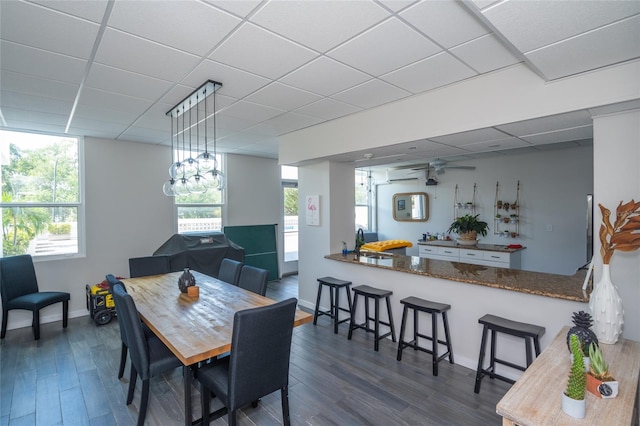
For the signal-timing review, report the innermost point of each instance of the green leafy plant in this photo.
(59, 228)
(576, 385)
(469, 223)
(599, 368)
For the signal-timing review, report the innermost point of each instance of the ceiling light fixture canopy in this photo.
(198, 172)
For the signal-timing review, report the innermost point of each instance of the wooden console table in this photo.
(535, 399)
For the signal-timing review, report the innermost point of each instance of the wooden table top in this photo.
(195, 329)
(535, 399)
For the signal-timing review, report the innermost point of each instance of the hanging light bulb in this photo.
(216, 179)
(182, 186)
(197, 184)
(169, 188)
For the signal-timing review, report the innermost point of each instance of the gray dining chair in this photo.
(149, 356)
(230, 271)
(254, 279)
(19, 290)
(258, 363)
(148, 265)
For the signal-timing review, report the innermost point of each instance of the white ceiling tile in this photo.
(446, 22)
(92, 10)
(327, 109)
(156, 118)
(35, 103)
(235, 83)
(34, 120)
(131, 53)
(325, 76)
(474, 136)
(126, 82)
(192, 27)
(107, 125)
(227, 123)
(320, 25)
(611, 109)
(278, 95)
(531, 24)
(397, 5)
(483, 4)
(110, 100)
(261, 52)
(47, 29)
(574, 134)
(433, 72)
(40, 63)
(251, 111)
(139, 134)
(372, 93)
(547, 124)
(20, 83)
(386, 47)
(589, 51)
(496, 145)
(285, 123)
(238, 8)
(485, 54)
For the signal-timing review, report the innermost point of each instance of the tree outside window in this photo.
(40, 194)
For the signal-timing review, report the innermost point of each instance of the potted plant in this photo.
(573, 402)
(468, 227)
(582, 322)
(599, 382)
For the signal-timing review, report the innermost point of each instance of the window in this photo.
(200, 212)
(289, 176)
(363, 199)
(41, 208)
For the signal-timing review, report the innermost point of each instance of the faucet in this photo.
(359, 241)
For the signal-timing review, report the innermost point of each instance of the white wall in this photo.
(553, 189)
(617, 178)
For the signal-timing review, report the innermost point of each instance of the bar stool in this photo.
(376, 294)
(334, 285)
(495, 324)
(433, 308)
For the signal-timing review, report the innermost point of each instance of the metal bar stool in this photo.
(334, 285)
(495, 324)
(433, 308)
(376, 294)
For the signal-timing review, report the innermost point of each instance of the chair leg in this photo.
(132, 384)
(123, 360)
(36, 324)
(315, 313)
(144, 402)
(65, 313)
(5, 315)
(483, 342)
(401, 338)
(232, 418)
(284, 394)
(204, 403)
(352, 323)
(393, 330)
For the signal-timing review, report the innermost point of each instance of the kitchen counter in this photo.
(538, 283)
(479, 246)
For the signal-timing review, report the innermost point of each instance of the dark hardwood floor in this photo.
(69, 378)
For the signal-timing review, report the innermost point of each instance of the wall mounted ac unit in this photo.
(402, 175)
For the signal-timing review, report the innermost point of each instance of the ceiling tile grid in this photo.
(287, 65)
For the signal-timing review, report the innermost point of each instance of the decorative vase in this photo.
(186, 280)
(574, 407)
(602, 388)
(606, 308)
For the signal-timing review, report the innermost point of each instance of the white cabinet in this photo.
(474, 256)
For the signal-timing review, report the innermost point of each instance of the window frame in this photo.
(223, 200)
(79, 205)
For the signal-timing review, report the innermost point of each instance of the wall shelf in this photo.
(462, 207)
(506, 214)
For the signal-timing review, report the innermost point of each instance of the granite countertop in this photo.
(487, 247)
(567, 287)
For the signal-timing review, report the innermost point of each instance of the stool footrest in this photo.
(509, 364)
(493, 375)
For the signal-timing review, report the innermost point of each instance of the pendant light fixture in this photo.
(199, 172)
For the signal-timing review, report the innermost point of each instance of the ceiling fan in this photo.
(440, 165)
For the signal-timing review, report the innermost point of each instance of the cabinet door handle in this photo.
(471, 254)
(495, 257)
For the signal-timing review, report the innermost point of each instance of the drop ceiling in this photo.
(111, 69)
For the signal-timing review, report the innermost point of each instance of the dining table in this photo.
(195, 328)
